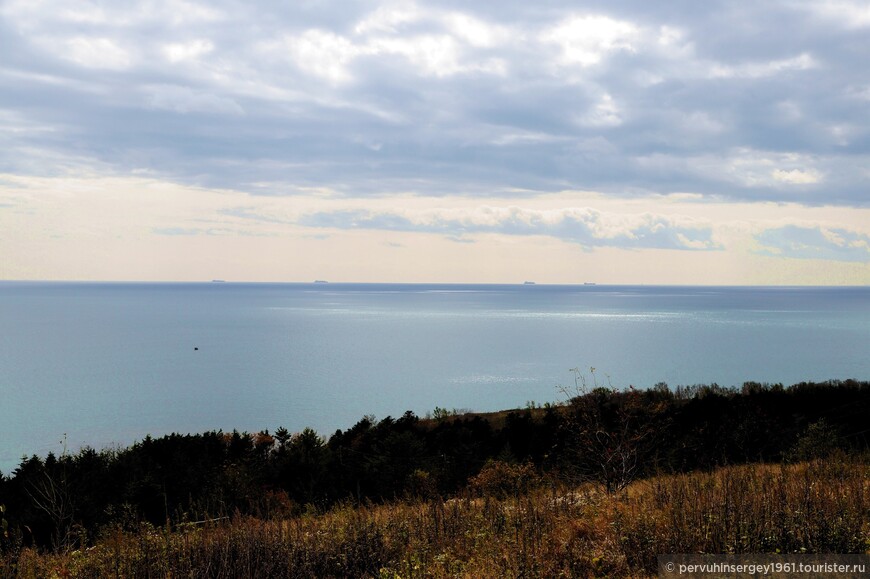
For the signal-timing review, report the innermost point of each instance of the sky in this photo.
(682, 142)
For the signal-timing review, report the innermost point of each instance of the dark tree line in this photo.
(599, 434)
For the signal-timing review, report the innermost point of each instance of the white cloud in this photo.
(604, 113)
(333, 57)
(583, 225)
(847, 13)
(182, 51)
(477, 32)
(47, 14)
(97, 53)
(433, 55)
(744, 167)
(764, 69)
(446, 48)
(322, 53)
(180, 12)
(389, 18)
(389, 21)
(797, 176)
(585, 40)
(814, 241)
(85, 13)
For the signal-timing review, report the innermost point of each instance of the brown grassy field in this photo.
(508, 524)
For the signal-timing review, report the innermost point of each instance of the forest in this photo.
(598, 438)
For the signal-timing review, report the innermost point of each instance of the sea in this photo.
(105, 364)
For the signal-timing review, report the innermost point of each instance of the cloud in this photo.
(814, 242)
(760, 102)
(97, 53)
(460, 120)
(753, 174)
(796, 176)
(764, 69)
(177, 231)
(183, 100)
(605, 113)
(209, 231)
(184, 51)
(846, 13)
(440, 44)
(251, 213)
(322, 53)
(585, 226)
(586, 40)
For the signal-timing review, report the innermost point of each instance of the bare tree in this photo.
(608, 432)
(50, 493)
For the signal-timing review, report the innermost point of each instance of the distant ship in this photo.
(218, 281)
(320, 281)
(588, 283)
(528, 283)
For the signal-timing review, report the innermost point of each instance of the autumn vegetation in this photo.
(594, 486)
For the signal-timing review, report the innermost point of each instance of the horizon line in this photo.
(320, 282)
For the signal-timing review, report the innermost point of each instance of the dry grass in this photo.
(818, 507)
(545, 532)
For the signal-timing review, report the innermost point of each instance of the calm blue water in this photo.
(108, 363)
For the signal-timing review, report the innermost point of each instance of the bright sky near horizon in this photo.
(684, 142)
